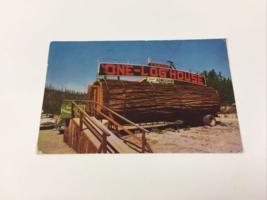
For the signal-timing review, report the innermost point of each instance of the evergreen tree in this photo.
(221, 84)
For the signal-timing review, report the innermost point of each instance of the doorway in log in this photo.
(94, 94)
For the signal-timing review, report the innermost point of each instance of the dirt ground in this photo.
(222, 138)
(51, 142)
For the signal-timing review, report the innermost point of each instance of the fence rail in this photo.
(81, 114)
(106, 132)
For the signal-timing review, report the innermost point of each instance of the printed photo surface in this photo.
(168, 96)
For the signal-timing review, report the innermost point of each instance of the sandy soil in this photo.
(222, 138)
(51, 142)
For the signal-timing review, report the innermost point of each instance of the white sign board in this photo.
(159, 80)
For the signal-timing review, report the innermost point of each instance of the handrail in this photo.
(118, 115)
(95, 122)
(105, 132)
(117, 124)
(130, 122)
(104, 129)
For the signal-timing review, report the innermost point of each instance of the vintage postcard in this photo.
(172, 96)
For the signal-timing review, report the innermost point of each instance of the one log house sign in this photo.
(151, 70)
(148, 101)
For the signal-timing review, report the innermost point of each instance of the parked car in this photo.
(47, 120)
(60, 126)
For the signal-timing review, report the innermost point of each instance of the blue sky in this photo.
(74, 64)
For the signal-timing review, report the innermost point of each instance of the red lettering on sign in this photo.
(162, 73)
(199, 79)
(194, 78)
(107, 66)
(188, 78)
(115, 69)
(129, 70)
(120, 69)
(180, 75)
(172, 74)
(142, 72)
(153, 72)
(159, 65)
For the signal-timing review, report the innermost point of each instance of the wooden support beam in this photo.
(148, 147)
(72, 107)
(104, 143)
(143, 141)
(76, 112)
(100, 149)
(109, 125)
(127, 131)
(81, 123)
(128, 121)
(111, 116)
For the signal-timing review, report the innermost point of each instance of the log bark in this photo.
(150, 98)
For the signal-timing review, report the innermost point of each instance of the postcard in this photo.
(167, 96)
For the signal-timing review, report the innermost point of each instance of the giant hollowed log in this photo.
(148, 102)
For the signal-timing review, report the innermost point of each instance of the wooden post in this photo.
(72, 112)
(143, 141)
(95, 99)
(92, 111)
(81, 122)
(109, 124)
(111, 116)
(104, 143)
(148, 147)
(100, 149)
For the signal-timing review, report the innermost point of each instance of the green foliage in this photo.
(222, 85)
(66, 110)
(53, 98)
